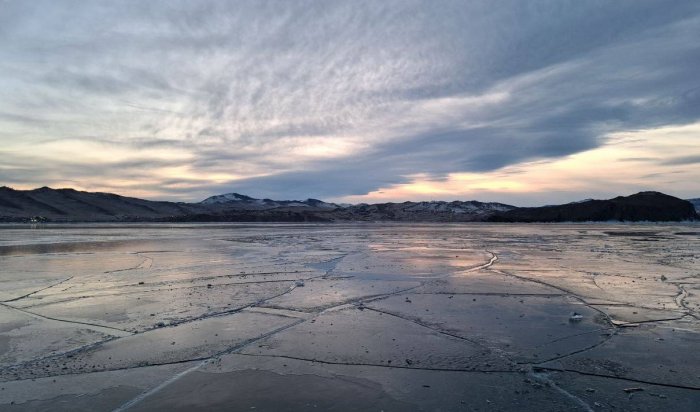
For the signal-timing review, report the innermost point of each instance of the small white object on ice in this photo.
(300, 283)
(575, 317)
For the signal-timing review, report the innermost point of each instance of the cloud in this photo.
(601, 172)
(330, 99)
(683, 160)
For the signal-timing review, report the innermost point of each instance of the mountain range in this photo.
(69, 205)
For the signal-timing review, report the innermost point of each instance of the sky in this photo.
(522, 102)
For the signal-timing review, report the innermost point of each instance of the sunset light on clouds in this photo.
(667, 158)
(519, 102)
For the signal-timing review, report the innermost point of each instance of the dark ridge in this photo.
(5, 192)
(71, 194)
(26, 197)
(643, 206)
(129, 202)
(7, 203)
(696, 204)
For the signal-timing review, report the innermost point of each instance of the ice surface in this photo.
(368, 316)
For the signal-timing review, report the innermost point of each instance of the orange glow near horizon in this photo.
(628, 159)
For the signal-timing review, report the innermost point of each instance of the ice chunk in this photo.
(575, 317)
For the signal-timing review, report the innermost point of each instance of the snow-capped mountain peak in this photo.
(246, 202)
(226, 198)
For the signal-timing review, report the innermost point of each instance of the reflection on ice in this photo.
(388, 307)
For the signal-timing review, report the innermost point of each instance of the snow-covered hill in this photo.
(239, 201)
(457, 211)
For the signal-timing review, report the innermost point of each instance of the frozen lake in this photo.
(350, 317)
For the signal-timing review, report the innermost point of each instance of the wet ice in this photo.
(413, 315)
